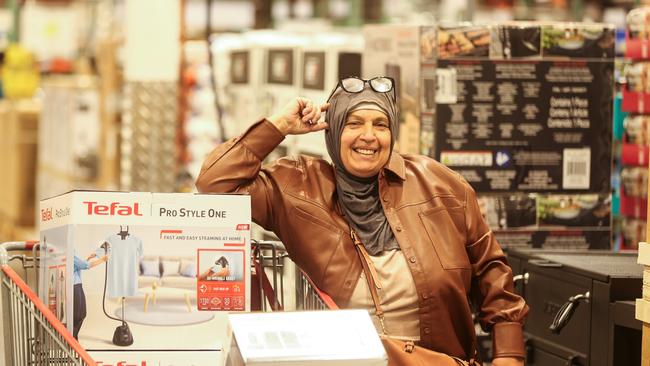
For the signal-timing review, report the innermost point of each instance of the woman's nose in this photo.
(368, 131)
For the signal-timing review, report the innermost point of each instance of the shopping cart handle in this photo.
(7, 247)
(19, 245)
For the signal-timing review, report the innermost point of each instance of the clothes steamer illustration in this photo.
(60, 286)
(124, 251)
(55, 287)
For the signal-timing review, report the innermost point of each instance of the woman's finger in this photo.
(313, 115)
(324, 107)
(319, 126)
(317, 115)
(307, 112)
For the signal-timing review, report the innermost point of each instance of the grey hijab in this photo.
(359, 197)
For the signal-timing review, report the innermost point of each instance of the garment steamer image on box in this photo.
(153, 273)
(130, 245)
(55, 279)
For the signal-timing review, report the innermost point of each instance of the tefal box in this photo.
(336, 337)
(138, 277)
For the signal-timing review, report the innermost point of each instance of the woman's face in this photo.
(365, 142)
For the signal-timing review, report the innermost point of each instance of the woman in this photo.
(220, 270)
(419, 221)
(79, 297)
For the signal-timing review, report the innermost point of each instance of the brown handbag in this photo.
(400, 352)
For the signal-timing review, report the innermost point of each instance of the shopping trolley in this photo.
(269, 258)
(34, 336)
(32, 333)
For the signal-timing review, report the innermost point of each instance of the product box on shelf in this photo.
(636, 100)
(18, 156)
(529, 126)
(406, 53)
(559, 221)
(634, 148)
(146, 277)
(325, 59)
(239, 64)
(261, 73)
(637, 44)
(70, 135)
(531, 108)
(521, 110)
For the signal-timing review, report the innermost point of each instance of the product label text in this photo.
(191, 213)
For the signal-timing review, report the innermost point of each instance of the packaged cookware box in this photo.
(522, 110)
(146, 278)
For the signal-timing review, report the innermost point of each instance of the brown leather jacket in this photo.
(434, 214)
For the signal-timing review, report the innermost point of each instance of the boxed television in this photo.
(146, 277)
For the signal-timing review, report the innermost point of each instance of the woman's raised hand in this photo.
(299, 116)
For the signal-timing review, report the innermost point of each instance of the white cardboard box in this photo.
(181, 262)
(337, 337)
(642, 311)
(644, 254)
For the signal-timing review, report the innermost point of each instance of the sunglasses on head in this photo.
(355, 84)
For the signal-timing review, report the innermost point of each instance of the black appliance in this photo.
(581, 306)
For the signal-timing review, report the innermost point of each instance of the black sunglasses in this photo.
(355, 84)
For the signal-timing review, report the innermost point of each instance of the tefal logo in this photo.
(46, 214)
(122, 363)
(112, 209)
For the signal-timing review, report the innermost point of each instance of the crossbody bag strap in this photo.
(371, 276)
(373, 284)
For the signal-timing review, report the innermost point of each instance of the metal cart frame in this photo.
(271, 255)
(32, 333)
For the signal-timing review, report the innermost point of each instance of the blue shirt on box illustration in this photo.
(79, 265)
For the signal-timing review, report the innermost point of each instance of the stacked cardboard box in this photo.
(110, 87)
(18, 147)
(643, 305)
(521, 110)
(635, 100)
(175, 263)
(70, 136)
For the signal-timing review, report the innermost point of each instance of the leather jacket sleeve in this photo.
(236, 167)
(500, 309)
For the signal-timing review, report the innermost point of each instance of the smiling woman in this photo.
(399, 235)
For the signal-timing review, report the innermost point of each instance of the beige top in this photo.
(399, 299)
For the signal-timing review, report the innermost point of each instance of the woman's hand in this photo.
(299, 116)
(508, 361)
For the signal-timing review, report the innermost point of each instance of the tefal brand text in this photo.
(112, 209)
(48, 214)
